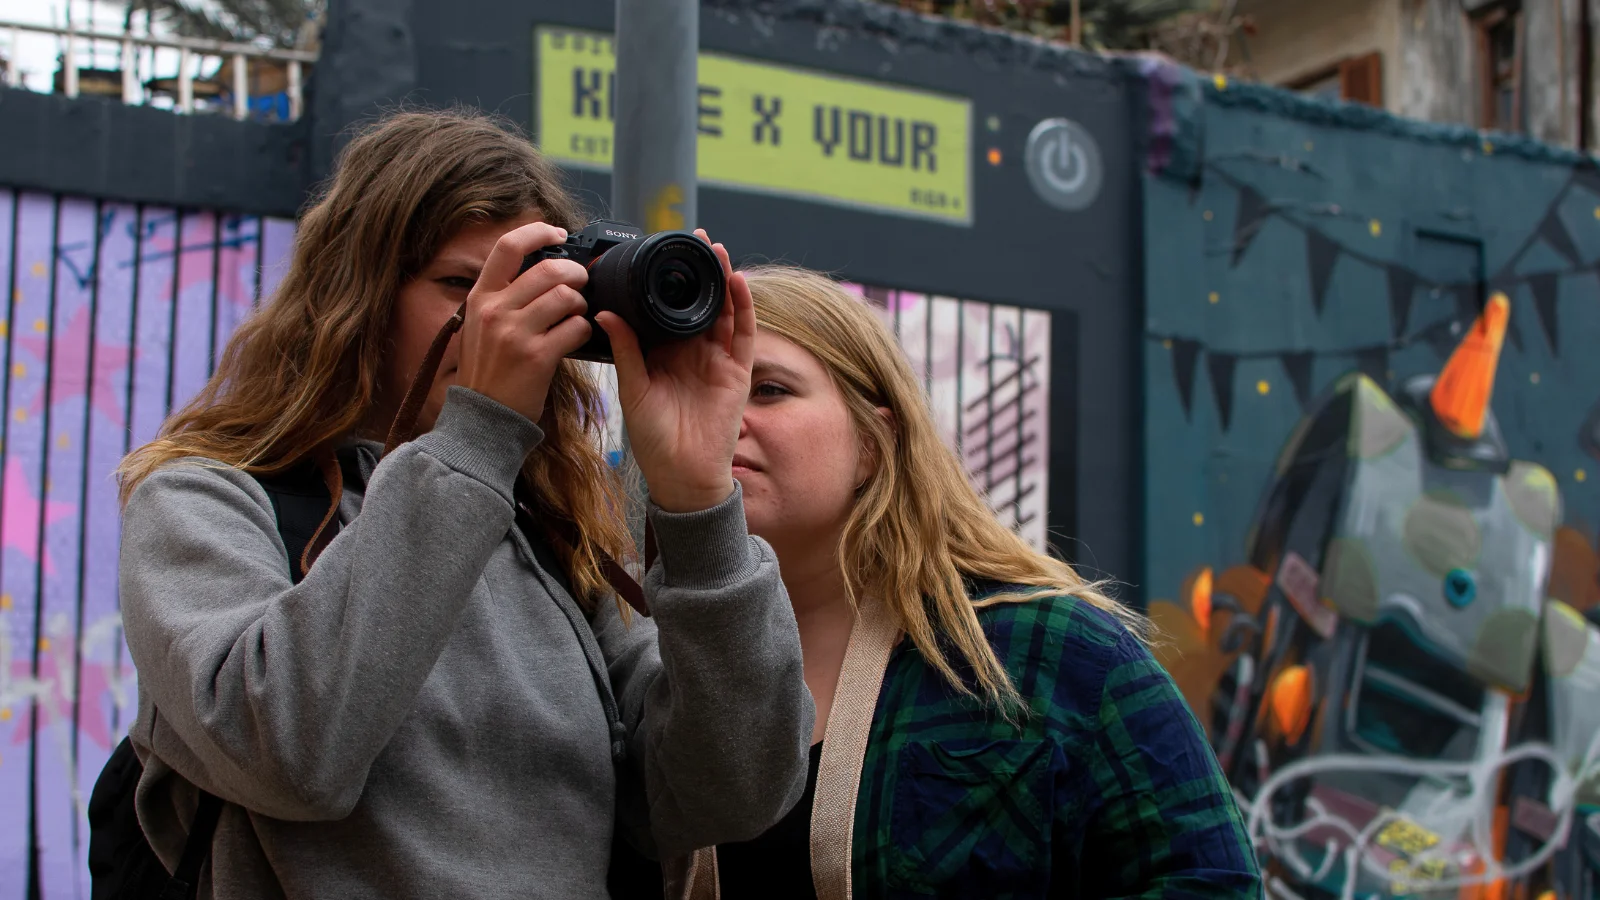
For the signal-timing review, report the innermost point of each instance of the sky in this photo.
(37, 53)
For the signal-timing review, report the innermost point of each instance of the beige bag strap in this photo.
(692, 877)
(844, 748)
(833, 811)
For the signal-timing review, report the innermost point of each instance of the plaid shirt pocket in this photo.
(973, 818)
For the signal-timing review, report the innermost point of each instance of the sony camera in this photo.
(667, 286)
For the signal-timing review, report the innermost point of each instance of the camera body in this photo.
(667, 286)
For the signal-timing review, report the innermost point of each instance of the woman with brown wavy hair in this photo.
(989, 724)
(439, 707)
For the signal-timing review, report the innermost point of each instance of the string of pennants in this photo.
(1323, 252)
(1370, 359)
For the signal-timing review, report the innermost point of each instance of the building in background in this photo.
(1520, 66)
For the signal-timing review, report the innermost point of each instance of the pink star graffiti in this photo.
(55, 704)
(71, 362)
(19, 521)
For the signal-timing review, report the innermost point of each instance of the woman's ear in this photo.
(867, 460)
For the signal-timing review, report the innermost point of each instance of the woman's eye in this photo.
(456, 281)
(769, 390)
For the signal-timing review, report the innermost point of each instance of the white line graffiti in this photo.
(1479, 778)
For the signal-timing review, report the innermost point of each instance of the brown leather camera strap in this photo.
(404, 427)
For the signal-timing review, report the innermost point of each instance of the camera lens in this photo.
(676, 285)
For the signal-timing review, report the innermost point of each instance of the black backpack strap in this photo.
(301, 502)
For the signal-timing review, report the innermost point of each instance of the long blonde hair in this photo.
(302, 373)
(918, 527)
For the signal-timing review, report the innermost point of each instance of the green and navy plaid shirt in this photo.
(1108, 789)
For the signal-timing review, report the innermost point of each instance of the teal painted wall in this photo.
(1398, 200)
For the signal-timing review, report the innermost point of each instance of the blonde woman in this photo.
(988, 724)
(428, 711)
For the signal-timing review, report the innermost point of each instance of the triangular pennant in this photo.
(1184, 354)
(1374, 363)
(1554, 232)
(1402, 287)
(1546, 287)
(1298, 367)
(1253, 212)
(1221, 368)
(1321, 254)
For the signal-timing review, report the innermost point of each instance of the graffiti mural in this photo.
(1371, 530)
(115, 314)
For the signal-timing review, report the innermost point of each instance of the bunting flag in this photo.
(1321, 254)
(1554, 232)
(1545, 289)
(1297, 366)
(1402, 287)
(1252, 214)
(1221, 368)
(1370, 359)
(1184, 355)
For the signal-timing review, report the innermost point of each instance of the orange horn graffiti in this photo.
(1460, 397)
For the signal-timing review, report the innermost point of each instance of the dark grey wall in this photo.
(98, 147)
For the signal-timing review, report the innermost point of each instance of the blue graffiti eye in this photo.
(1460, 588)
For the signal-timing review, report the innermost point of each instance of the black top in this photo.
(776, 865)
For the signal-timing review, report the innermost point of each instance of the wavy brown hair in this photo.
(919, 527)
(302, 374)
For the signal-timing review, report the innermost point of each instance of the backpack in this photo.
(121, 864)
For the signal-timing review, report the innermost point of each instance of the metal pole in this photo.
(130, 77)
(241, 88)
(653, 142)
(69, 63)
(185, 86)
(294, 90)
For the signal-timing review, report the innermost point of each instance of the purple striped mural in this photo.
(115, 314)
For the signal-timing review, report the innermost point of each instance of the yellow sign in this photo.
(775, 129)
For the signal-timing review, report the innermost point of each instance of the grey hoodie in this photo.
(428, 713)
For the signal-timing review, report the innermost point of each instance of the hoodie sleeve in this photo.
(279, 696)
(711, 687)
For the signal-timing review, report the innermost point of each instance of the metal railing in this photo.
(191, 53)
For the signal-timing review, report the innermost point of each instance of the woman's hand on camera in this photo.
(683, 405)
(518, 328)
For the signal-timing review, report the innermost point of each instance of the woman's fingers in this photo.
(551, 307)
(722, 330)
(743, 347)
(569, 334)
(625, 354)
(505, 260)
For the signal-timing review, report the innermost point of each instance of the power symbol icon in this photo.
(1063, 164)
